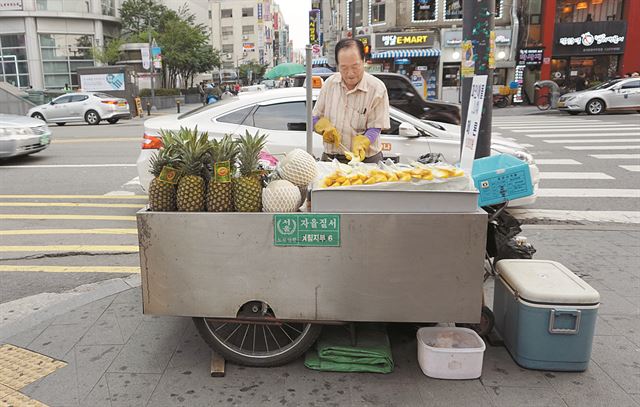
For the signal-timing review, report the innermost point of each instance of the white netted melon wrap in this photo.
(281, 196)
(298, 167)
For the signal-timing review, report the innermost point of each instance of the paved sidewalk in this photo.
(118, 357)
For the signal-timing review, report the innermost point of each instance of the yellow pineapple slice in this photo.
(370, 181)
(346, 183)
(357, 182)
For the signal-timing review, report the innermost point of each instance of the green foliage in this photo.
(110, 54)
(257, 70)
(138, 15)
(160, 92)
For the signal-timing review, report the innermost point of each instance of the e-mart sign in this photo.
(405, 40)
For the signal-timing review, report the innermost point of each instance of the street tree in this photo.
(137, 16)
(257, 70)
(110, 54)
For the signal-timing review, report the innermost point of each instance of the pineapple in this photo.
(219, 194)
(194, 149)
(162, 194)
(247, 187)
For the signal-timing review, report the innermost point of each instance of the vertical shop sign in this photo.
(260, 12)
(472, 126)
(156, 56)
(519, 79)
(492, 50)
(314, 20)
(468, 66)
(275, 21)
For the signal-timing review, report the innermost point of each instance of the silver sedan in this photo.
(615, 95)
(20, 135)
(82, 106)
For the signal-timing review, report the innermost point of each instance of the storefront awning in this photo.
(319, 61)
(407, 53)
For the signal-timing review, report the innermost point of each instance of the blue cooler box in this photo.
(545, 314)
(500, 178)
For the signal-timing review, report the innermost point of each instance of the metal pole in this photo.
(309, 83)
(353, 19)
(476, 27)
(153, 68)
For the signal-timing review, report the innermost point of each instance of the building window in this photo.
(377, 12)
(108, 7)
(572, 11)
(227, 48)
(62, 55)
(453, 9)
(226, 13)
(210, 15)
(13, 60)
(247, 12)
(74, 6)
(424, 10)
(227, 33)
(247, 29)
(358, 14)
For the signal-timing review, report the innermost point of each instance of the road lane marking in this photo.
(616, 156)
(95, 140)
(573, 130)
(544, 126)
(611, 140)
(71, 248)
(564, 135)
(8, 216)
(569, 215)
(51, 166)
(557, 161)
(71, 204)
(140, 197)
(584, 148)
(70, 269)
(19, 232)
(634, 168)
(588, 193)
(574, 175)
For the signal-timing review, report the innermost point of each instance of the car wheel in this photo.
(113, 121)
(38, 116)
(595, 106)
(574, 113)
(61, 123)
(92, 117)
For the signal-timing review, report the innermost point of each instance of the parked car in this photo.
(404, 96)
(20, 135)
(282, 114)
(90, 107)
(615, 95)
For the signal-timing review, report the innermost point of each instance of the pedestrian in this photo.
(66, 88)
(581, 82)
(352, 108)
(202, 94)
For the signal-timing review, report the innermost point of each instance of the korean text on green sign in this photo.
(298, 229)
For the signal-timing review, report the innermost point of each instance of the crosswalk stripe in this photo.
(588, 193)
(53, 166)
(574, 175)
(14, 216)
(71, 248)
(70, 269)
(576, 129)
(564, 135)
(613, 140)
(557, 161)
(537, 120)
(536, 127)
(634, 168)
(616, 156)
(71, 204)
(627, 217)
(578, 148)
(21, 232)
(138, 197)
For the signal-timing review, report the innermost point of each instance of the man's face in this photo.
(351, 66)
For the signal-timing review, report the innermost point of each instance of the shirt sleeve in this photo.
(379, 115)
(318, 109)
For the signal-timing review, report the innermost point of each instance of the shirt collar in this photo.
(362, 85)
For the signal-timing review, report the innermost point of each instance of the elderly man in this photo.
(352, 108)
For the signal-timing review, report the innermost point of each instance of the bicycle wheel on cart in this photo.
(256, 338)
(543, 102)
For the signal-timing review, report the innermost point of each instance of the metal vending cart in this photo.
(260, 286)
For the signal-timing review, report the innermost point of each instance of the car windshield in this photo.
(207, 107)
(605, 85)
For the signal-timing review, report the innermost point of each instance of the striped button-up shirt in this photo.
(354, 111)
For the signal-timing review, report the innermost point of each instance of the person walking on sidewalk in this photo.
(352, 108)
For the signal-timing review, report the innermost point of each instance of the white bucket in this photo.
(450, 352)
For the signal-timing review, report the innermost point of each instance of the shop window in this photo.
(226, 13)
(377, 11)
(572, 11)
(62, 55)
(247, 29)
(13, 60)
(453, 9)
(247, 12)
(358, 14)
(279, 116)
(424, 10)
(451, 76)
(500, 77)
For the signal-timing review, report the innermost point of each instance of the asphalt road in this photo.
(68, 213)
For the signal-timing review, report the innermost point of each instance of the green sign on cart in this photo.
(305, 230)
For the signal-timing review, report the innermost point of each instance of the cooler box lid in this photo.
(546, 281)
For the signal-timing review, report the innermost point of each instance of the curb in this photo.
(25, 313)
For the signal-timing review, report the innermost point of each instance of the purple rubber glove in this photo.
(372, 134)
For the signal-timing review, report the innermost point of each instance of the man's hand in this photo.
(359, 146)
(329, 133)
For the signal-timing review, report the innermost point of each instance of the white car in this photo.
(282, 114)
(615, 95)
(20, 135)
(90, 107)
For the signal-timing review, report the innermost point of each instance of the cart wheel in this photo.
(487, 320)
(261, 343)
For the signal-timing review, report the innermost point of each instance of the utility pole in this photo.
(153, 68)
(477, 28)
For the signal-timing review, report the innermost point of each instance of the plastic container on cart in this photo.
(545, 314)
(501, 178)
(450, 352)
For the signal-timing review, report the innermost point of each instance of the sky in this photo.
(296, 14)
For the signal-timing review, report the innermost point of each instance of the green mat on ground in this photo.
(333, 351)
